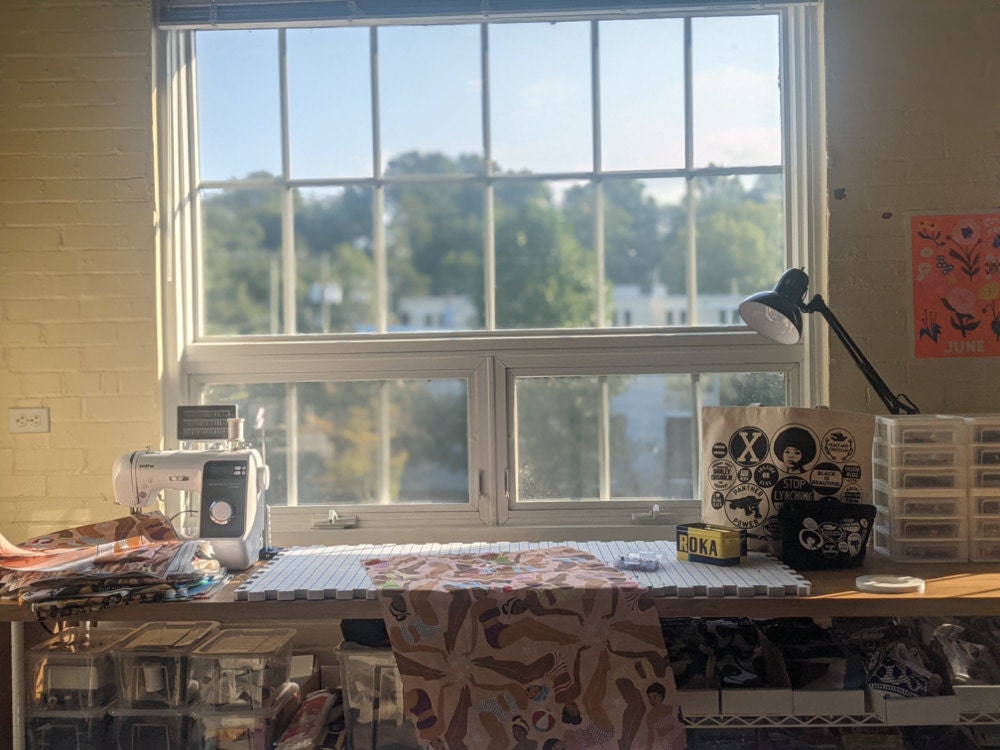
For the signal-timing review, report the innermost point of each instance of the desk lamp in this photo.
(778, 316)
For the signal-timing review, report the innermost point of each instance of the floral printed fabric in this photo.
(532, 650)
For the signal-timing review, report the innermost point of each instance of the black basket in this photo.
(825, 533)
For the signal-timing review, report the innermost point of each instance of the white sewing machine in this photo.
(229, 487)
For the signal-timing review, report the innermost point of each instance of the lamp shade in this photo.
(778, 314)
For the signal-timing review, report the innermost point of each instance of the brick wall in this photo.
(77, 254)
(913, 124)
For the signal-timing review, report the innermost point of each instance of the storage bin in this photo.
(984, 477)
(921, 504)
(984, 503)
(373, 699)
(903, 527)
(145, 729)
(73, 670)
(984, 550)
(249, 729)
(983, 428)
(153, 664)
(921, 429)
(243, 668)
(909, 478)
(919, 456)
(68, 729)
(920, 550)
(984, 454)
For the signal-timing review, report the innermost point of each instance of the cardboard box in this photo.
(699, 702)
(829, 702)
(978, 699)
(938, 709)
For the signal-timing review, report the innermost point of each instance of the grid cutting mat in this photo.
(336, 572)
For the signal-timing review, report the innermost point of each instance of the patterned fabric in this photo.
(98, 565)
(532, 650)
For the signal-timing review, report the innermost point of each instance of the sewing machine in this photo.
(228, 486)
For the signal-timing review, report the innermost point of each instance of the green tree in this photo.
(740, 238)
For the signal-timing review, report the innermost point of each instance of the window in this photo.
(431, 263)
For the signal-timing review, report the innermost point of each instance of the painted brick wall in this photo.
(77, 254)
(913, 121)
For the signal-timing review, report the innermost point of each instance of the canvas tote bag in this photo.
(755, 458)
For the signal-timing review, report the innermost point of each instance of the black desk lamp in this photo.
(778, 316)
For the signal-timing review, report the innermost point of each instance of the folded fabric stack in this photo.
(99, 565)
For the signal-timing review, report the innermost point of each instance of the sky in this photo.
(430, 82)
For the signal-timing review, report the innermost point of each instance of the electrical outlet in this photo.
(29, 420)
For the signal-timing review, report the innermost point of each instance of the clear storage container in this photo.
(984, 428)
(984, 454)
(254, 729)
(373, 699)
(985, 503)
(909, 478)
(901, 527)
(984, 550)
(153, 664)
(68, 729)
(918, 504)
(243, 668)
(73, 670)
(919, 456)
(920, 550)
(912, 429)
(144, 729)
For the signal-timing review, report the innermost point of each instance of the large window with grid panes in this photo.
(475, 277)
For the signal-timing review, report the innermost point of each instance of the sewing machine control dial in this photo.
(220, 511)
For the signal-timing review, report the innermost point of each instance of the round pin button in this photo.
(888, 584)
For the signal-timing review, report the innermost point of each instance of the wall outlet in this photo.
(29, 420)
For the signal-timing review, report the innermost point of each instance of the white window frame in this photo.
(489, 361)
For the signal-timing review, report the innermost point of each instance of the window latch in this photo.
(653, 516)
(335, 521)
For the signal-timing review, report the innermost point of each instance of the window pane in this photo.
(558, 438)
(642, 94)
(744, 388)
(540, 96)
(329, 102)
(241, 282)
(434, 233)
(737, 101)
(239, 130)
(358, 442)
(545, 278)
(648, 421)
(336, 289)
(383, 442)
(430, 90)
(740, 240)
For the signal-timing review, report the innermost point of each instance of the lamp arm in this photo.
(896, 404)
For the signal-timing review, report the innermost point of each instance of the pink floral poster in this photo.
(956, 283)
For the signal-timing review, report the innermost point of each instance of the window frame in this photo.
(491, 361)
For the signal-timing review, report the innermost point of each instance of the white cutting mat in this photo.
(336, 572)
